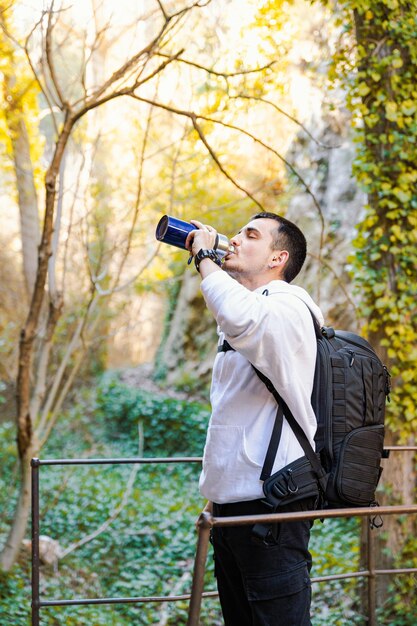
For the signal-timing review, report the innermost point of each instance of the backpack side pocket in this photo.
(358, 467)
(296, 481)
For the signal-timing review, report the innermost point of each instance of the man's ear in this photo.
(279, 259)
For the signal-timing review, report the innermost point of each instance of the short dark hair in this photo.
(288, 237)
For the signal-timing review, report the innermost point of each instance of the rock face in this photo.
(326, 166)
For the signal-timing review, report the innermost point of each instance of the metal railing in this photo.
(37, 602)
(205, 523)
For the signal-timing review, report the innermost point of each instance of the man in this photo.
(267, 323)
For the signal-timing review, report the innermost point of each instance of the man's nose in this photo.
(235, 241)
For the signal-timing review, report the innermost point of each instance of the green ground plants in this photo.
(148, 548)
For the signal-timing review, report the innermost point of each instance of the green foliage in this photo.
(148, 548)
(377, 64)
(170, 426)
(401, 601)
(381, 79)
(335, 550)
(8, 464)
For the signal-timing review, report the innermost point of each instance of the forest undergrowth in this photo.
(129, 530)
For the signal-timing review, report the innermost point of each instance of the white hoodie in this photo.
(272, 329)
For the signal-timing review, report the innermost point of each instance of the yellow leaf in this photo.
(363, 89)
(402, 195)
(408, 107)
(391, 111)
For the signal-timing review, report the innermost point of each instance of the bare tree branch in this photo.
(194, 117)
(169, 22)
(280, 156)
(48, 64)
(288, 116)
(25, 48)
(48, 97)
(46, 412)
(221, 74)
(175, 160)
(219, 165)
(156, 71)
(235, 201)
(138, 196)
(57, 230)
(123, 69)
(164, 13)
(70, 222)
(63, 392)
(131, 280)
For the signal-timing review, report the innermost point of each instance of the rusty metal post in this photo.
(371, 576)
(203, 525)
(35, 541)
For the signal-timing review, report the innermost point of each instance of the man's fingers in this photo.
(190, 238)
(197, 223)
(191, 234)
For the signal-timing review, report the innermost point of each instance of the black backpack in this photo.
(350, 389)
(351, 386)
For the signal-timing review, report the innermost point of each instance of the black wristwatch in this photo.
(206, 254)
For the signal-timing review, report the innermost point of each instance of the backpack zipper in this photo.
(352, 357)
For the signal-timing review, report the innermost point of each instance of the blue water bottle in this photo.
(173, 231)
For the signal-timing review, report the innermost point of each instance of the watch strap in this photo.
(206, 254)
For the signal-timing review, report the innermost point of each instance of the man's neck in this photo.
(253, 282)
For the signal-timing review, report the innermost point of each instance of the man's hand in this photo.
(203, 238)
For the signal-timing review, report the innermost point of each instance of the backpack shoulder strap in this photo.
(295, 426)
(297, 430)
(273, 445)
(283, 409)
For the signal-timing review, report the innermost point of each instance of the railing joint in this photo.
(205, 520)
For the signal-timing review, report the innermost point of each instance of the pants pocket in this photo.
(284, 596)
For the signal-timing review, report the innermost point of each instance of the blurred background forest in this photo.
(112, 115)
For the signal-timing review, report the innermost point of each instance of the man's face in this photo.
(253, 249)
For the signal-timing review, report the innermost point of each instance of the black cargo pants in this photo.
(263, 584)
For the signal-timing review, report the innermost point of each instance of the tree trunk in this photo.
(17, 530)
(26, 438)
(28, 203)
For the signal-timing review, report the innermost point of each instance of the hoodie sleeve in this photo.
(267, 330)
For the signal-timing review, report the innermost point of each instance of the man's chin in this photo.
(230, 268)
